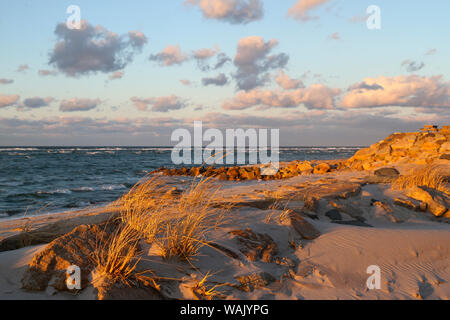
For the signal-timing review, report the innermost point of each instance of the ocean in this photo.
(36, 180)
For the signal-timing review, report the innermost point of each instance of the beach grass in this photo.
(177, 222)
(434, 177)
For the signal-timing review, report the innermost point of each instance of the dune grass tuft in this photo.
(435, 177)
(117, 256)
(177, 222)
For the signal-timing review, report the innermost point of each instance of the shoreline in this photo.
(309, 233)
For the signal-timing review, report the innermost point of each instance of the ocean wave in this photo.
(18, 149)
(113, 186)
(57, 191)
(82, 189)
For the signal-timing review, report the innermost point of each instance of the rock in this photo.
(107, 289)
(387, 172)
(233, 173)
(334, 214)
(256, 246)
(322, 168)
(254, 281)
(437, 202)
(411, 204)
(387, 209)
(445, 156)
(305, 229)
(286, 262)
(305, 166)
(349, 209)
(50, 264)
(333, 189)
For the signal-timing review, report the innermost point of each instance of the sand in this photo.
(413, 254)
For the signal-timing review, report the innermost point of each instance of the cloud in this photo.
(220, 80)
(8, 100)
(93, 49)
(222, 59)
(317, 96)
(408, 91)
(116, 75)
(412, 66)
(301, 9)
(203, 56)
(253, 61)
(46, 73)
(206, 53)
(78, 104)
(296, 127)
(335, 36)
(6, 81)
(159, 104)
(285, 82)
(137, 39)
(37, 102)
(431, 52)
(186, 82)
(170, 56)
(365, 86)
(231, 11)
(23, 68)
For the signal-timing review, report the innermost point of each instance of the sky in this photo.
(137, 70)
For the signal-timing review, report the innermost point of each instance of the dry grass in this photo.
(117, 256)
(434, 176)
(205, 291)
(177, 223)
(184, 235)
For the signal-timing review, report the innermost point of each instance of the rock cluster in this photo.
(237, 173)
(411, 147)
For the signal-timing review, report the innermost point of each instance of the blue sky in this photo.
(404, 67)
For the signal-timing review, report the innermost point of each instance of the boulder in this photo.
(387, 172)
(334, 214)
(322, 168)
(256, 246)
(437, 202)
(411, 204)
(305, 166)
(50, 264)
(305, 229)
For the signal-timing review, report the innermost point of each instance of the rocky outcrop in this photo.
(438, 203)
(49, 266)
(256, 246)
(411, 147)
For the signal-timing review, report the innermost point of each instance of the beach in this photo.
(310, 236)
